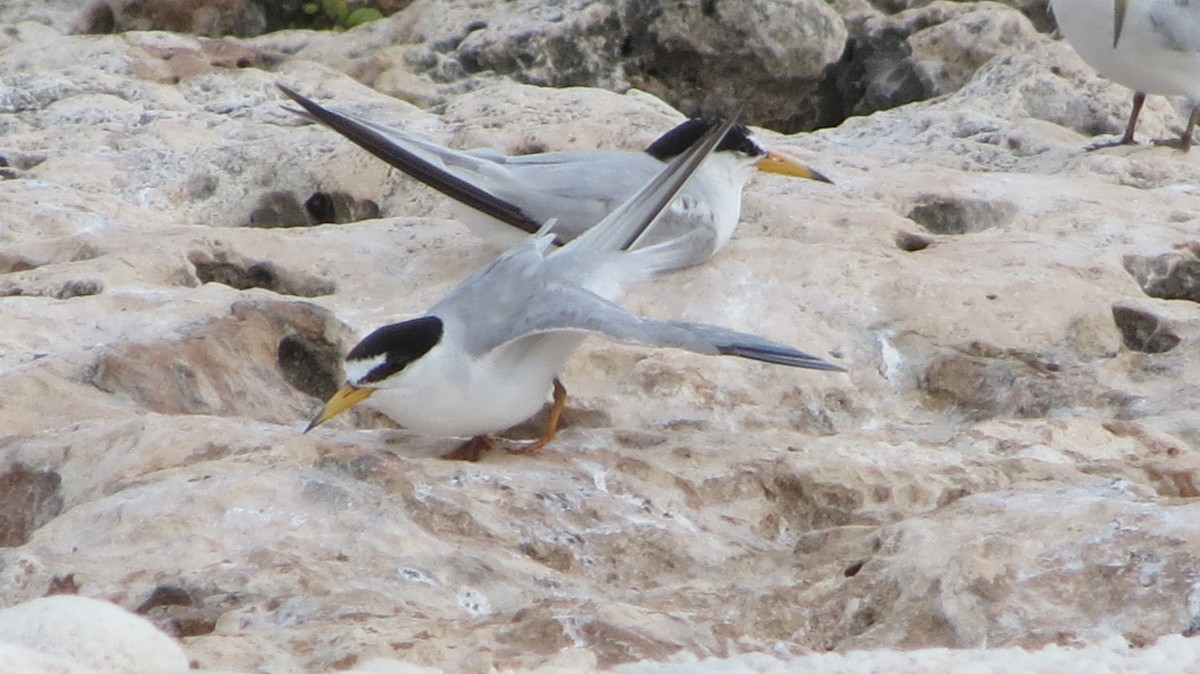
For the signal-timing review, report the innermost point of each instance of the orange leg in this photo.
(560, 401)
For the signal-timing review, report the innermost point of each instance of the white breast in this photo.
(446, 393)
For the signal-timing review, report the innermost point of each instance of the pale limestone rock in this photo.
(796, 65)
(1170, 655)
(382, 666)
(967, 37)
(707, 58)
(981, 475)
(212, 18)
(59, 14)
(687, 54)
(96, 634)
(918, 53)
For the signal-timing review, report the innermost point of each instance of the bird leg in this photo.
(1139, 99)
(471, 450)
(560, 401)
(1184, 142)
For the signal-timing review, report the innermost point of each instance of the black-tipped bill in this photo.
(783, 165)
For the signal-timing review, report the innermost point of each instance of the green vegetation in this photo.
(339, 14)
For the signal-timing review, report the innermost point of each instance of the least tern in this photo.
(498, 193)
(1150, 46)
(486, 356)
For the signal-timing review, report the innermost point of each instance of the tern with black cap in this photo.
(488, 355)
(505, 197)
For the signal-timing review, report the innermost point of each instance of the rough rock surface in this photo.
(791, 65)
(1009, 464)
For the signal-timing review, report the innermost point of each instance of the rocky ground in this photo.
(1008, 465)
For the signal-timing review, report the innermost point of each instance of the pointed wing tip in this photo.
(780, 356)
(296, 97)
(288, 91)
(813, 363)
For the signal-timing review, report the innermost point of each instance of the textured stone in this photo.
(207, 368)
(953, 215)
(998, 467)
(211, 18)
(215, 18)
(1091, 564)
(688, 54)
(27, 501)
(912, 242)
(1170, 276)
(1143, 331)
(706, 58)
(929, 50)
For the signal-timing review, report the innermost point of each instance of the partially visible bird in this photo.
(503, 198)
(1150, 46)
(485, 358)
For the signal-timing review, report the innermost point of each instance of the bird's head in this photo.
(739, 142)
(379, 359)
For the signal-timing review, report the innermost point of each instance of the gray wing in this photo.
(565, 308)
(490, 307)
(516, 297)
(419, 160)
(494, 305)
(624, 226)
(579, 188)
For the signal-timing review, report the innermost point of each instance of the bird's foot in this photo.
(1182, 144)
(560, 401)
(471, 450)
(1139, 99)
(1115, 142)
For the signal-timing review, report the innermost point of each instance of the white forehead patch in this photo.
(762, 150)
(357, 370)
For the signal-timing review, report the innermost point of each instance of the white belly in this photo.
(452, 396)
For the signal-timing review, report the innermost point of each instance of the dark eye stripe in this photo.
(399, 344)
(676, 141)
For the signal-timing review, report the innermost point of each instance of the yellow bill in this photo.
(347, 396)
(775, 162)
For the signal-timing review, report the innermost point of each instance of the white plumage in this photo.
(1150, 46)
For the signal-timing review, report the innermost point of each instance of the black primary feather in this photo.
(443, 181)
(399, 343)
(778, 355)
(676, 141)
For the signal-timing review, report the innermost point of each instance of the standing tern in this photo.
(1150, 46)
(496, 193)
(486, 356)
